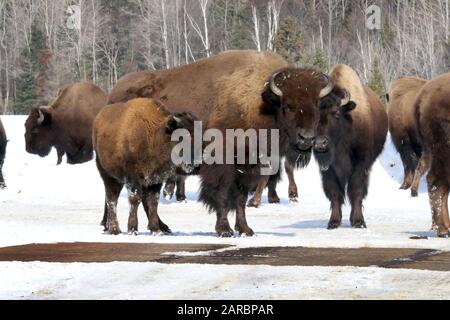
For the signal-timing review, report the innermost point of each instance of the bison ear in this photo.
(349, 107)
(174, 123)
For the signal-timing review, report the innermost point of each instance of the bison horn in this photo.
(327, 90)
(41, 114)
(273, 86)
(346, 99)
(177, 120)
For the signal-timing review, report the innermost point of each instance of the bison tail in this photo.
(409, 155)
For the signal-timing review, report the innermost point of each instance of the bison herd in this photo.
(333, 117)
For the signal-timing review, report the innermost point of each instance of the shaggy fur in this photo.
(3, 143)
(231, 91)
(433, 119)
(402, 125)
(133, 146)
(349, 140)
(68, 123)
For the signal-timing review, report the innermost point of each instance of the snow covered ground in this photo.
(45, 203)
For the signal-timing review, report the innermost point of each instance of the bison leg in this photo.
(181, 189)
(272, 185)
(420, 172)
(357, 191)
(150, 199)
(293, 190)
(169, 188)
(113, 189)
(2, 180)
(241, 221)
(135, 200)
(335, 194)
(438, 192)
(60, 153)
(256, 200)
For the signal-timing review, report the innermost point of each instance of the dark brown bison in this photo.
(133, 145)
(403, 129)
(349, 140)
(237, 90)
(66, 124)
(433, 119)
(3, 143)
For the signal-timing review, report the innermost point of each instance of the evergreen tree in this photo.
(376, 82)
(32, 80)
(318, 61)
(289, 41)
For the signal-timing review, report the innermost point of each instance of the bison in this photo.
(237, 90)
(3, 143)
(432, 111)
(66, 124)
(403, 129)
(349, 139)
(133, 145)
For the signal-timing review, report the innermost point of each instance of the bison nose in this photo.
(305, 141)
(321, 144)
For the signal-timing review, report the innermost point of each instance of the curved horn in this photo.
(346, 99)
(41, 114)
(177, 119)
(327, 90)
(273, 87)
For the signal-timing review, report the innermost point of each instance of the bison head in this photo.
(294, 96)
(335, 122)
(38, 131)
(184, 121)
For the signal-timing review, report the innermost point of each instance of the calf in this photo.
(349, 139)
(133, 146)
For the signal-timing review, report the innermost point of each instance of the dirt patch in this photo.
(214, 254)
(98, 252)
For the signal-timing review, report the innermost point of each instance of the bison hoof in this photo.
(133, 232)
(253, 203)
(333, 225)
(414, 193)
(115, 231)
(444, 234)
(293, 200)
(167, 196)
(274, 200)
(359, 225)
(248, 233)
(2, 186)
(181, 199)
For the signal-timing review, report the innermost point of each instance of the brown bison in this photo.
(403, 129)
(3, 143)
(133, 145)
(66, 124)
(237, 90)
(349, 140)
(433, 119)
